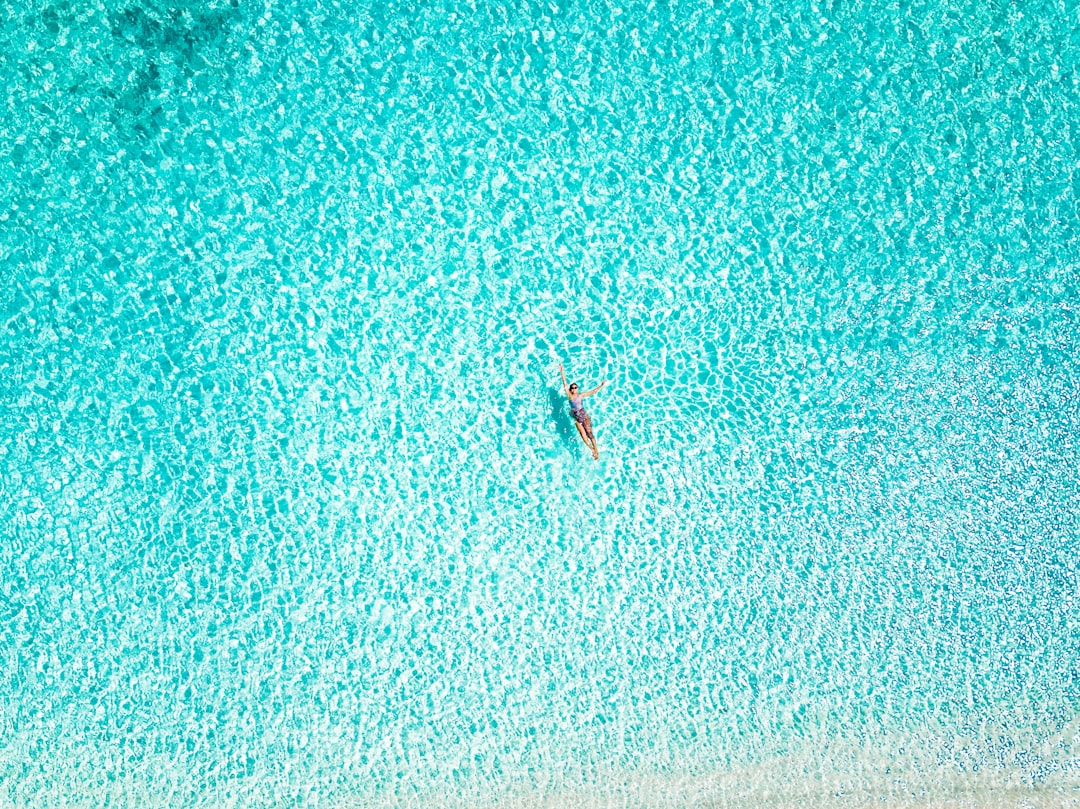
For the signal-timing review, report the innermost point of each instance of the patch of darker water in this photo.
(162, 54)
(186, 34)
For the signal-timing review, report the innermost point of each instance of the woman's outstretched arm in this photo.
(594, 390)
(563, 375)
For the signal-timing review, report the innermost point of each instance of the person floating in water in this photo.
(577, 410)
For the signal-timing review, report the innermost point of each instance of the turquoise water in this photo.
(294, 514)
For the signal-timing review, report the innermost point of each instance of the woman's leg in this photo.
(582, 433)
(592, 438)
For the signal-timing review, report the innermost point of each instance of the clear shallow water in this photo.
(294, 514)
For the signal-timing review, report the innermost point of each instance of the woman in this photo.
(577, 410)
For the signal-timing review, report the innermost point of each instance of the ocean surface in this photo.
(292, 509)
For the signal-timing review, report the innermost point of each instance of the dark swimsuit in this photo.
(577, 409)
